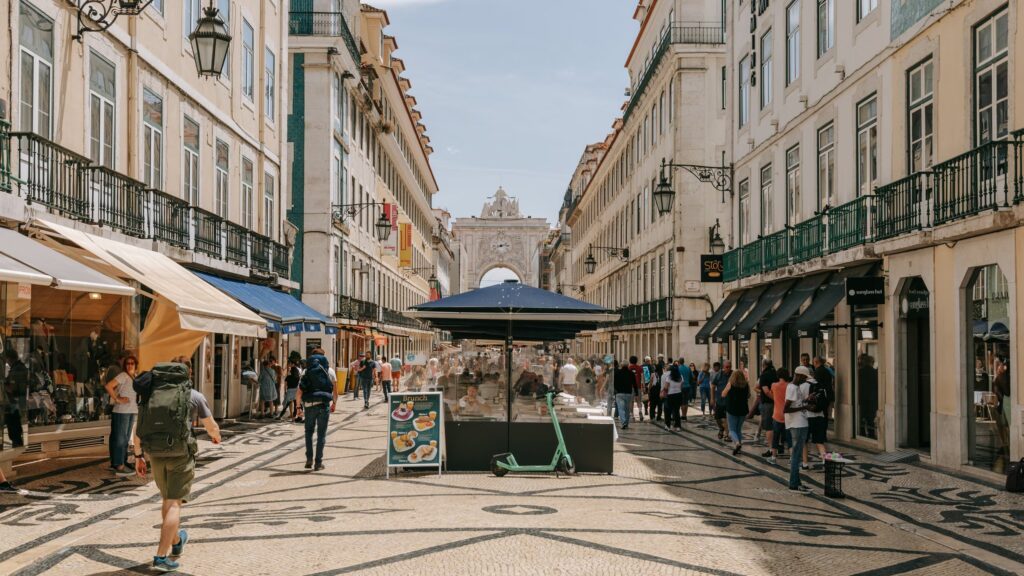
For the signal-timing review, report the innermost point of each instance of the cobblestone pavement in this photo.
(676, 504)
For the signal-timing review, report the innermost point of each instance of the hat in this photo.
(361, 354)
(803, 370)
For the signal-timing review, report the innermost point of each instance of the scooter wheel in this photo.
(497, 470)
(566, 467)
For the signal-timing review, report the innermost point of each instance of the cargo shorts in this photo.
(174, 476)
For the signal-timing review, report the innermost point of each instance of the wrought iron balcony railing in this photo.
(236, 245)
(259, 252)
(168, 219)
(323, 24)
(849, 224)
(52, 175)
(280, 259)
(5, 156)
(396, 318)
(653, 311)
(358, 310)
(117, 201)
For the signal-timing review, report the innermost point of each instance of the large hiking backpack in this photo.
(164, 413)
(819, 397)
(316, 377)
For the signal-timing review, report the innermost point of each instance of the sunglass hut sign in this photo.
(867, 291)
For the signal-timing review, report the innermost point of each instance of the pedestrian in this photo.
(718, 385)
(805, 361)
(779, 438)
(386, 376)
(567, 376)
(821, 396)
(647, 381)
(638, 382)
(654, 394)
(796, 423)
(672, 392)
(766, 402)
(396, 372)
(737, 404)
(704, 386)
(268, 388)
(318, 393)
(689, 379)
(122, 417)
(291, 387)
(624, 386)
(365, 375)
(168, 449)
(16, 392)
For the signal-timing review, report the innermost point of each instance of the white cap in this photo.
(803, 370)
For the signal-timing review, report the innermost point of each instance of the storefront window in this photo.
(14, 307)
(988, 379)
(866, 371)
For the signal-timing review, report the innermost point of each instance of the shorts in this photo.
(289, 395)
(687, 394)
(766, 415)
(174, 476)
(780, 438)
(720, 410)
(817, 429)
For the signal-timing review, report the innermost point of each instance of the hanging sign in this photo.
(865, 291)
(405, 244)
(415, 430)
(711, 268)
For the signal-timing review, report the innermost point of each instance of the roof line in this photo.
(640, 34)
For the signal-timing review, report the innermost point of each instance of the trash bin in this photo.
(834, 476)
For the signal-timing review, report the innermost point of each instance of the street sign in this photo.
(711, 268)
(865, 291)
(415, 430)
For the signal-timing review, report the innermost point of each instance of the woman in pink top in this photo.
(779, 435)
(385, 377)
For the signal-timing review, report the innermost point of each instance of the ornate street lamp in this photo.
(590, 263)
(341, 212)
(210, 42)
(719, 176)
(664, 194)
(715, 242)
(383, 227)
(98, 15)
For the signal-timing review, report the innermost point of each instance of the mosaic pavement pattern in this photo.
(676, 504)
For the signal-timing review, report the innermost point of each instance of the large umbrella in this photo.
(512, 312)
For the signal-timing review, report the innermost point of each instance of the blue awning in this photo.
(284, 313)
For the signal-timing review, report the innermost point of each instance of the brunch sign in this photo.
(415, 430)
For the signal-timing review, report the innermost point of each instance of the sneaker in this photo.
(624, 426)
(770, 460)
(123, 471)
(7, 488)
(319, 466)
(164, 564)
(309, 464)
(802, 489)
(679, 428)
(366, 406)
(766, 454)
(737, 449)
(177, 549)
(804, 466)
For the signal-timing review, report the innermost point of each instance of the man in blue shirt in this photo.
(318, 395)
(687, 375)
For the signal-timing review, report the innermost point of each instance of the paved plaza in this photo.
(676, 504)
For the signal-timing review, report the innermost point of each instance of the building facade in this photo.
(114, 134)
(647, 264)
(855, 172)
(351, 111)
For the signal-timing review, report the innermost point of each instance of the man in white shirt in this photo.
(796, 423)
(567, 376)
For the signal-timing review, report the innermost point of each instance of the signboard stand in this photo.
(415, 436)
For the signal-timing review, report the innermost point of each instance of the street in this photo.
(676, 504)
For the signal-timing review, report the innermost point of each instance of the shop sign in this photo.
(711, 268)
(866, 291)
(914, 303)
(416, 358)
(291, 328)
(330, 330)
(415, 430)
(24, 291)
(313, 343)
(311, 327)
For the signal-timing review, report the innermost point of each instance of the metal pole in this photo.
(508, 380)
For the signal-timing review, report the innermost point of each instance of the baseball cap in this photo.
(803, 370)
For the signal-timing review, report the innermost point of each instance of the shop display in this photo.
(415, 430)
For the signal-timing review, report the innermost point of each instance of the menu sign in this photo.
(415, 430)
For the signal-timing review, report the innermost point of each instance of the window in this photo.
(826, 26)
(767, 208)
(766, 69)
(190, 163)
(744, 99)
(270, 65)
(220, 188)
(269, 193)
(36, 93)
(921, 127)
(867, 145)
(992, 75)
(338, 98)
(191, 13)
(792, 42)
(724, 84)
(794, 201)
(248, 60)
(337, 175)
(865, 7)
(671, 100)
(744, 215)
(102, 92)
(152, 139)
(826, 166)
(247, 197)
(158, 5)
(225, 13)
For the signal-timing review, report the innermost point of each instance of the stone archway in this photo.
(501, 266)
(500, 237)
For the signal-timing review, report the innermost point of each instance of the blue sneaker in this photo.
(164, 564)
(177, 549)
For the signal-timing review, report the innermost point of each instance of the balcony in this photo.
(708, 33)
(357, 310)
(396, 318)
(68, 184)
(331, 24)
(654, 311)
(987, 178)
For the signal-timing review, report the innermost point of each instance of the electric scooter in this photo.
(502, 464)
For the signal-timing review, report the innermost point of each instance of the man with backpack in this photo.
(819, 399)
(167, 403)
(318, 395)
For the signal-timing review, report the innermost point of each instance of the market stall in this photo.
(489, 386)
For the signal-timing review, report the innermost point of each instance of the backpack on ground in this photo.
(819, 397)
(1015, 476)
(164, 425)
(317, 378)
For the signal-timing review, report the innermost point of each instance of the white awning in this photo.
(200, 306)
(25, 260)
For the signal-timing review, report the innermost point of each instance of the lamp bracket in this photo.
(339, 212)
(98, 15)
(718, 176)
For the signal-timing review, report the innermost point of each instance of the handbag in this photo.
(1015, 476)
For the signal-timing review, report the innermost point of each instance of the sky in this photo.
(512, 90)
